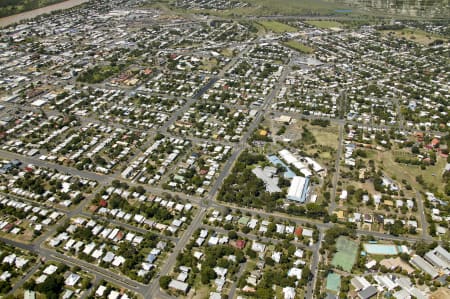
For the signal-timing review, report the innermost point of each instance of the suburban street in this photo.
(126, 117)
(332, 205)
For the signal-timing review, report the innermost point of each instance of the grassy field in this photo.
(416, 35)
(431, 174)
(227, 52)
(284, 7)
(293, 7)
(295, 45)
(11, 7)
(264, 8)
(328, 136)
(277, 27)
(202, 291)
(325, 24)
(99, 73)
(326, 156)
(209, 64)
(261, 29)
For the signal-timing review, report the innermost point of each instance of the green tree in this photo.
(164, 282)
(52, 286)
(232, 235)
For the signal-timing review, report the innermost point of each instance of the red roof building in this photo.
(239, 244)
(8, 227)
(119, 236)
(435, 142)
(419, 136)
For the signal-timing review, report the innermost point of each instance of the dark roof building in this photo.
(368, 292)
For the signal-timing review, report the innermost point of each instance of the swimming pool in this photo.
(381, 249)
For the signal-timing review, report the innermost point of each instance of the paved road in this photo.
(187, 105)
(88, 267)
(60, 168)
(117, 279)
(423, 218)
(332, 205)
(25, 278)
(314, 266)
(92, 288)
(385, 127)
(254, 237)
(129, 227)
(250, 129)
(170, 262)
(313, 222)
(154, 288)
(233, 287)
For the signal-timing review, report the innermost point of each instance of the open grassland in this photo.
(324, 136)
(417, 35)
(277, 27)
(209, 64)
(327, 137)
(325, 24)
(265, 8)
(295, 45)
(227, 52)
(260, 28)
(293, 7)
(432, 174)
(11, 7)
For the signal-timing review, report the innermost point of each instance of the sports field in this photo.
(277, 27)
(325, 24)
(346, 253)
(295, 45)
(333, 282)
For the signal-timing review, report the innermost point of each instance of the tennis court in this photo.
(333, 282)
(346, 253)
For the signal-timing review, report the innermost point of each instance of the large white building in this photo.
(298, 189)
